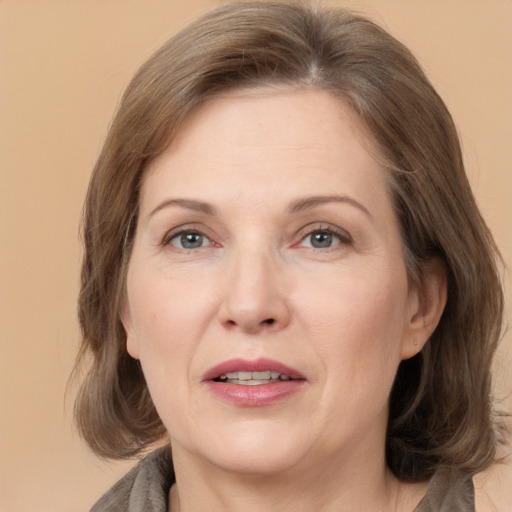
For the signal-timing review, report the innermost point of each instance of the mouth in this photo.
(253, 383)
(252, 373)
(253, 378)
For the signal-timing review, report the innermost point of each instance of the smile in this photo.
(253, 378)
(256, 383)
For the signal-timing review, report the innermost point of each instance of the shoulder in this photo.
(493, 488)
(143, 489)
(449, 490)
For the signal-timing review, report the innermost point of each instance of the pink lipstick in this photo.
(253, 383)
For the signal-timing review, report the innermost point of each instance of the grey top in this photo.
(146, 489)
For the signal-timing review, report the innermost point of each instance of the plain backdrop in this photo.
(63, 67)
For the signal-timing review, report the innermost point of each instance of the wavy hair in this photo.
(440, 405)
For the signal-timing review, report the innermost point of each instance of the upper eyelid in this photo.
(308, 230)
(185, 228)
(300, 235)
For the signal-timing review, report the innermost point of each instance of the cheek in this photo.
(359, 328)
(374, 306)
(166, 314)
(156, 318)
(162, 336)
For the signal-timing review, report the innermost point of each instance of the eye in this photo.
(324, 239)
(189, 240)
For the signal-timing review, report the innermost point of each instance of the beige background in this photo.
(64, 65)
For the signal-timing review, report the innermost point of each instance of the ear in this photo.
(426, 305)
(126, 319)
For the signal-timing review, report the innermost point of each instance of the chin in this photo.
(254, 451)
(256, 463)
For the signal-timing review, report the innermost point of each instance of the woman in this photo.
(287, 276)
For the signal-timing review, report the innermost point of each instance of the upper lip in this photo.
(257, 365)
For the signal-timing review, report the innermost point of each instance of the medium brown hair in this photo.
(440, 406)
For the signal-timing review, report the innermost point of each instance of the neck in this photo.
(363, 484)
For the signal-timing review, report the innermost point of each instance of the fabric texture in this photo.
(143, 489)
(146, 489)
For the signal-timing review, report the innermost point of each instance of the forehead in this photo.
(267, 138)
(283, 106)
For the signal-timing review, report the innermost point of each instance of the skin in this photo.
(257, 286)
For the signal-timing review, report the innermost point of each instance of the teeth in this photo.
(253, 378)
(261, 375)
(239, 375)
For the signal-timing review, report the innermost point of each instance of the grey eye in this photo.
(321, 239)
(189, 240)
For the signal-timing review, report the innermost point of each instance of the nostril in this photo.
(249, 322)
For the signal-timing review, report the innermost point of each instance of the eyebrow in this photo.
(190, 204)
(306, 203)
(296, 206)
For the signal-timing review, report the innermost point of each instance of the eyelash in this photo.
(343, 236)
(169, 237)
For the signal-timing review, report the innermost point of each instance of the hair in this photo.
(440, 406)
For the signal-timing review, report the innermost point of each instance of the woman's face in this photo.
(267, 245)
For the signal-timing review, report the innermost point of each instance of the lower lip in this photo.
(254, 396)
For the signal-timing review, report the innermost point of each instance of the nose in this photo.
(255, 294)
